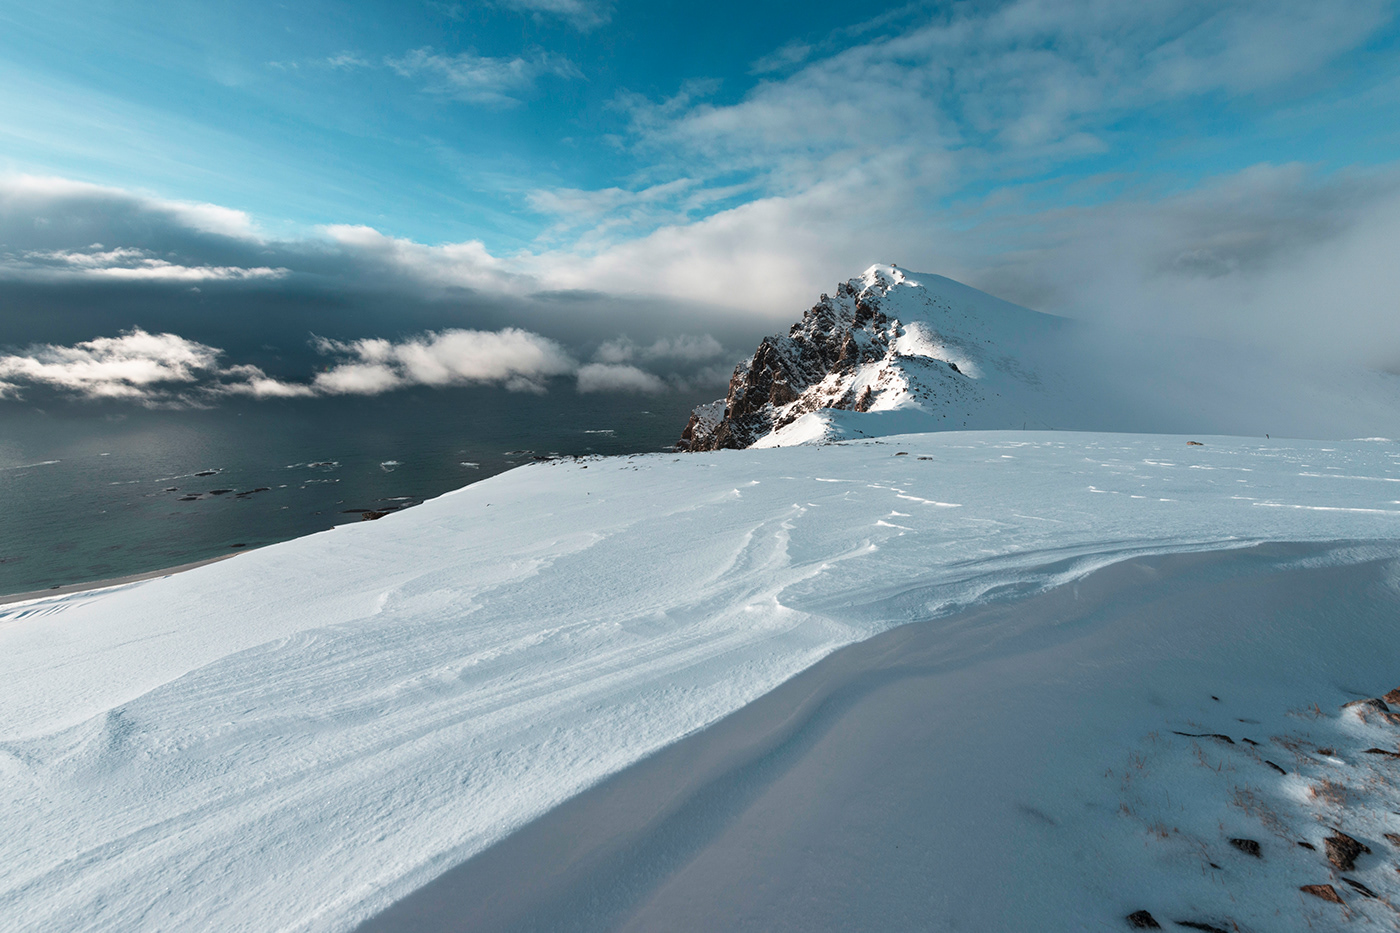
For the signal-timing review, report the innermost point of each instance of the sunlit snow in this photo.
(295, 738)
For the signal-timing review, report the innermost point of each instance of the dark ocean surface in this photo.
(90, 491)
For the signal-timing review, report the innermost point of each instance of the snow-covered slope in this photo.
(295, 738)
(894, 352)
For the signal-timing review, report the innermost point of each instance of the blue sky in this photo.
(1229, 169)
(428, 120)
(439, 121)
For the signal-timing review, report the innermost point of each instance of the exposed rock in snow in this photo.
(883, 342)
(894, 352)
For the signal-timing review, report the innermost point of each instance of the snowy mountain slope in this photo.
(1055, 763)
(297, 737)
(894, 352)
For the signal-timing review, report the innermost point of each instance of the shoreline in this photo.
(69, 588)
(862, 792)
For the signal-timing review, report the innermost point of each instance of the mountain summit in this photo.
(897, 352)
(921, 351)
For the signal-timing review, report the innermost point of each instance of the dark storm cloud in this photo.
(110, 294)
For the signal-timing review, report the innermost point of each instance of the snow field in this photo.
(293, 739)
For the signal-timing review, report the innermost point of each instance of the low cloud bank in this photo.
(153, 368)
(1282, 257)
(617, 377)
(166, 369)
(517, 359)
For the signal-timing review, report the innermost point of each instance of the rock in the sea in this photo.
(1370, 703)
(1142, 920)
(1324, 891)
(1342, 850)
(1393, 697)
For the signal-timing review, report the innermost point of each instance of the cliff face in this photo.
(771, 388)
(882, 342)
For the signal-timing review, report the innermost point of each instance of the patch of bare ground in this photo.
(1326, 831)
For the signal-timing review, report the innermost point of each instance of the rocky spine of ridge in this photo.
(773, 387)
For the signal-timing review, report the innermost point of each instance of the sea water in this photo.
(95, 491)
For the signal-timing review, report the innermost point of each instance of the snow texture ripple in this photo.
(293, 739)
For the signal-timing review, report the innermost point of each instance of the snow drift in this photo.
(298, 737)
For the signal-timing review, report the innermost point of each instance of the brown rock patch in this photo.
(1342, 850)
(1324, 891)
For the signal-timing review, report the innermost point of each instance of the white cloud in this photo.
(785, 56)
(347, 61)
(1272, 255)
(481, 79)
(769, 257)
(583, 15)
(113, 367)
(615, 377)
(359, 379)
(1033, 71)
(619, 350)
(251, 381)
(683, 347)
(975, 92)
(123, 263)
(35, 197)
(517, 359)
(167, 368)
(138, 366)
(465, 264)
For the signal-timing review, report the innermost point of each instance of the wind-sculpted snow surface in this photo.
(295, 738)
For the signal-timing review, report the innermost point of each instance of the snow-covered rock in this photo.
(885, 342)
(897, 352)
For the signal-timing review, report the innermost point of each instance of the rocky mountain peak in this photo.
(899, 352)
(846, 353)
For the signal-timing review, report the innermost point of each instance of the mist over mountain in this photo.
(895, 352)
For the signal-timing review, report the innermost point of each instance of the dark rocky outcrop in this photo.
(1248, 847)
(1324, 891)
(1359, 888)
(835, 335)
(1342, 850)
